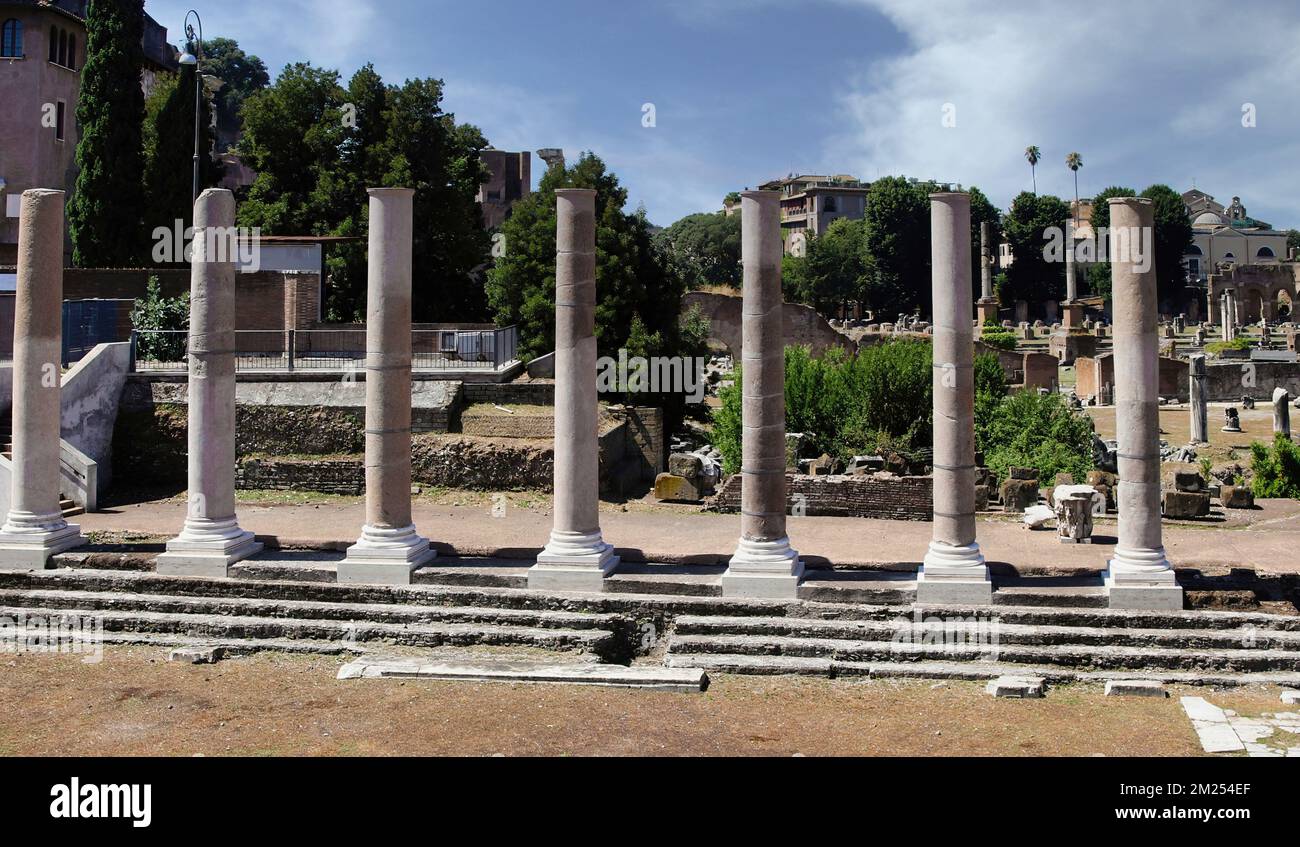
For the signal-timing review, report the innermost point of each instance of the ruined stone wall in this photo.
(909, 498)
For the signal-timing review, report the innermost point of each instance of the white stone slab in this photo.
(1291, 698)
(636, 676)
(1016, 686)
(1135, 688)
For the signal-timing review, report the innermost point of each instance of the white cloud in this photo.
(1145, 92)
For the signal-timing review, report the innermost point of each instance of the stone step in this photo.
(302, 609)
(654, 677)
(739, 663)
(599, 642)
(1089, 657)
(234, 646)
(1250, 638)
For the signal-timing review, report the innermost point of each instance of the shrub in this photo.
(848, 405)
(1241, 342)
(1032, 430)
(162, 322)
(1276, 469)
(998, 337)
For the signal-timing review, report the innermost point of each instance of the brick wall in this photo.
(1092, 373)
(333, 476)
(908, 498)
(510, 393)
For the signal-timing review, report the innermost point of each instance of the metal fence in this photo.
(165, 351)
(87, 323)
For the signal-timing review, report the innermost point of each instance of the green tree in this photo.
(1293, 239)
(106, 211)
(169, 150)
(1099, 272)
(1033, 155)
(705, 248)
(1173, 237)
(897, 246)
(1028, 226)
(632, 277)
(1074, 161)
(1028, 429)
(241, 75)
(832, 270)
(317, 147)
(161, 323)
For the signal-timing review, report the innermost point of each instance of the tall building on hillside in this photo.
(510, 179)
(809, 203)
(42, 51)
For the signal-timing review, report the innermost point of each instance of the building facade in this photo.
(1228, 236)
(42, 52)
(510, 179)
(809, 203)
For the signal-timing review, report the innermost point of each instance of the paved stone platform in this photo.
(1265, 539)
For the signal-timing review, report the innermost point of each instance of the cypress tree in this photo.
(106, 212)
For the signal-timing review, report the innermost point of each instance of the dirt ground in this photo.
(1176, 428)
(136, 703)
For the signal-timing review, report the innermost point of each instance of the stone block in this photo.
(685, 465)
(981, 498)
(1291, 698)
(1236, 497)
(1184, 504)
(1135, 688)
(1021, 687)
(676, 489)
(197, 655)
(1022, 473)
(1019, 494)
(825, 465)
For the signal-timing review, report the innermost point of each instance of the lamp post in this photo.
(188, 58)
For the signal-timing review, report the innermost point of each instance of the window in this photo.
(58, 120)
(1265, 253)
(54, 44)
(72, 52)
(829, 205)
(63, 47)
(11, 39)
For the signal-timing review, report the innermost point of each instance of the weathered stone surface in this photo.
(1038, 516)
(981, 498)
(1074, 511)
(674, 488)
(1185, 504)
(1021, 687)
(1135, 688)
(197, 655)
(1022, 473)
(825, 465)
(1291, 698)
(1236, 497)
(685, 465)
(1104, 482)
(1019, 494)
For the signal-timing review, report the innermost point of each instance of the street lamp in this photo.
(188, 58)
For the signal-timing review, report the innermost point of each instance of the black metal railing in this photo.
(165, 351)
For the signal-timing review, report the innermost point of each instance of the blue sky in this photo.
(749, 90)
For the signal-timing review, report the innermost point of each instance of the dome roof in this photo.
(1209, 219)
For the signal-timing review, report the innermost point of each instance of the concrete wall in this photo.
(1225, 380)
(803, 326)
(91, 393)
(1092, 373)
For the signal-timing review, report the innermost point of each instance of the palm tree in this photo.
(1033, 154)
(1074, 161)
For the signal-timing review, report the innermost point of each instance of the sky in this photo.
(750, 90)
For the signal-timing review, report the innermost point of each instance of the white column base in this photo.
(954, 575)
(765, 570)
(207, 548)
(28, 541)
(573, 561)
(1142, 580)
(385, 557)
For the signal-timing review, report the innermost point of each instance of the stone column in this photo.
(987, 308)
(34, 529)
(1072, 309)
(211, 539)
(764, 564)
(1199, 395)
(954, 569)
(389, 548)
(1139, 575)
(576, 558)
(1282, 411)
